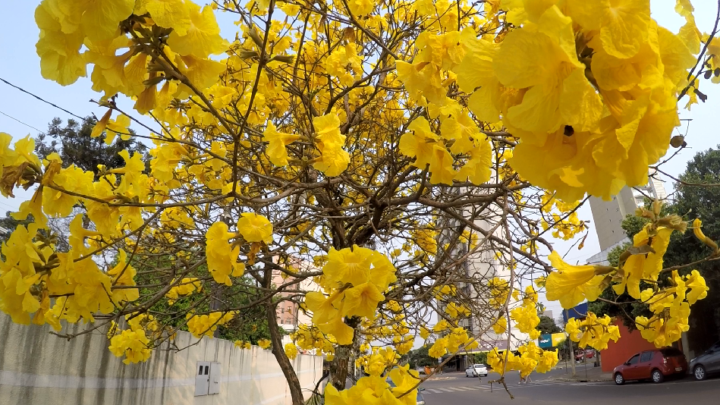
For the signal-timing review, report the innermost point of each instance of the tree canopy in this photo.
(74, 143)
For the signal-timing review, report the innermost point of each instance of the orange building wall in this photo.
(619, 352)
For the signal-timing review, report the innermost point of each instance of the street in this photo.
(455, 389)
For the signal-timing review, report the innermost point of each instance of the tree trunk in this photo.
(282, 359)
(277, 346)
(340, 366)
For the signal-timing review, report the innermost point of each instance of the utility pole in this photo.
(570, 347)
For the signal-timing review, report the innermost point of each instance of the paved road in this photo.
(456, 389)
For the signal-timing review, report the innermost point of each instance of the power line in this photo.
(15, 119)
(41, 99)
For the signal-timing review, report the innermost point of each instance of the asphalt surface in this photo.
(456, 389)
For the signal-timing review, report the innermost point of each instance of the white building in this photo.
(608, 215)
(483, 266)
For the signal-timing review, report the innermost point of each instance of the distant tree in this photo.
(547, 325)
(697, 196)
(420, 358)
(75, 146)
(478, 358)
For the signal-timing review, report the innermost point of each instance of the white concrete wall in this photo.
(39, 368)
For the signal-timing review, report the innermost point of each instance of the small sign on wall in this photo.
(207, 378)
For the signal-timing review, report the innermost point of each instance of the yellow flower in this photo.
(123, 274)
(202, 37)
(500, 326)
(439, 348)
(333, 159)
(424, 332)
(362, 300)
(427, 149)
(623, 24)
(133, 344)
(525, 318)
(264, 343)
(220, 257)
(697, 224)
(426, 239)
(644, 266)
(404, 380)
(276, 150)
(568, 283)
(255, 228)
(531, 295)
(205, 325)
(187, 286)
(290, 350)
(592, 331)
(441, 325)
(499, 290)
(58, 48)
(547, 361)
(698, 289)
(170, 14)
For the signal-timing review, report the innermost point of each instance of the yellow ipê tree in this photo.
(373, 148)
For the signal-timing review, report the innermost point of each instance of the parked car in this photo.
(476, 370)
(706, 363)
(420, 400)
(651, 364)
(584, 354)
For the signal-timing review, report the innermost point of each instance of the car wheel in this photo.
(699, 372)
(619, 379)
(657, 376)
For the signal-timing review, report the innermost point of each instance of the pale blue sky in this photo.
(19, 64)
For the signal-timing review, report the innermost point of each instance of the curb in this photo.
(580, 380)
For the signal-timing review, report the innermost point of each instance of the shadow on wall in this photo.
(39, 368)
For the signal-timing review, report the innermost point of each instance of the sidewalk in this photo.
(593, 374)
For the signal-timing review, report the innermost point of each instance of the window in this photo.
(634, 359)
(646, 356)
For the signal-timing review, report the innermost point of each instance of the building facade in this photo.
(608, 215)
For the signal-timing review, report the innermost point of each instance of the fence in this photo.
(39, 368)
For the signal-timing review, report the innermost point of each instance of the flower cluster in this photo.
(375, 389)
(531, 358)
(525, 316)
(592, 331)
(205, 325)
(671, 308)
(309, 337)
(355, 280)
(133, 343)
(185, 287)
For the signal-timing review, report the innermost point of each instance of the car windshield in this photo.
(479, 366)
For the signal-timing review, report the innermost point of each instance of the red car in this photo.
(584, 354)
(652, 364)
